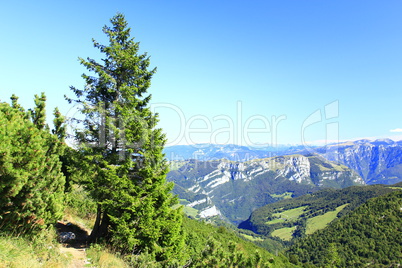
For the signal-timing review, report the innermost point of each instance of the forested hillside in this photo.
(369, 236)
(290, 219)
(210, 246)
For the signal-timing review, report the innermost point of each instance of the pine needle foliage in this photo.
(32, 185)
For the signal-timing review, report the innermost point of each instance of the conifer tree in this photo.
(31, 188)
(15, 104)
(59, 125)
(123, 151)
(67, 155)
(38, 114)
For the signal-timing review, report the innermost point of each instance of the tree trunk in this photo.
(104, 226)
(96, 231)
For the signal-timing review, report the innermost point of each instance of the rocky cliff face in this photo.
(376, 162)
(234, 189)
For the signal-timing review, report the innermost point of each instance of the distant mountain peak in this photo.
(378, 161)
(362, 141)
(383, 141)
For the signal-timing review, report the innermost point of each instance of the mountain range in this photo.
(378, 161)
(232, 190)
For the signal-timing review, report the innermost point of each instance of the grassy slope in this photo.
(321, 221)
(40, 251)
(313, 224)
(290, 214)
(284, 233)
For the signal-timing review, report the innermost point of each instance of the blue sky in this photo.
(245, 72)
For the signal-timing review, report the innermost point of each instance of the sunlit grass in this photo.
(101, 257)
(42, 251)
(192, 212)
(284, 233)
(280, 220)
(287, 215)
(85, 223)
(252, 238)
(394, 187)
(286, 195)
(321, 221)
(290, 213)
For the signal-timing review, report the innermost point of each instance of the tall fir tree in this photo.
(123, 151)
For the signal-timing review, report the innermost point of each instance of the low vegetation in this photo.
(100, 256)
(40, 251)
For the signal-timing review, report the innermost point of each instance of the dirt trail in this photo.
(79, 256)
(75, 247)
